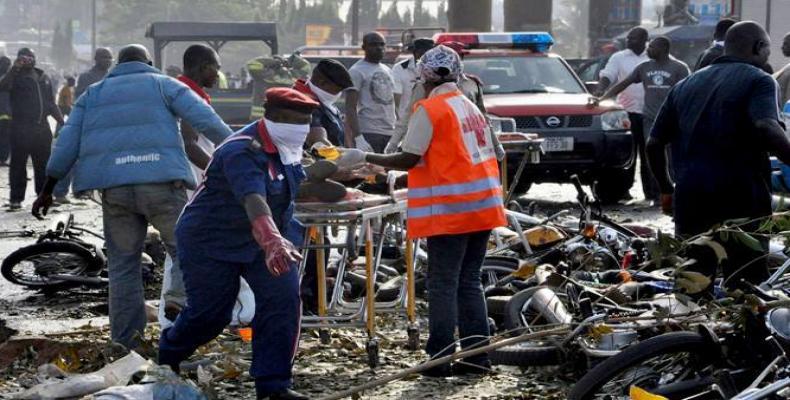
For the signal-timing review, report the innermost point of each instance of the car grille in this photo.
(580, 121)
(566, 121)
(527, 123)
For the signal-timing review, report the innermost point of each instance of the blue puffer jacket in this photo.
(124, 131)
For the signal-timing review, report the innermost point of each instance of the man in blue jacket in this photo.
(122, 138)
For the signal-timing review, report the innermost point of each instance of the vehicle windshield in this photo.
(508, 75)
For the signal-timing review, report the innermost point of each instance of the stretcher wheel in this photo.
(413, 343)
(323, 335)
(373, 353)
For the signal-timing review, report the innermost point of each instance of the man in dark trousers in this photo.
(102, 59)
(657, 76)
(454, 200)
(326, 84)
(32, 102)
(5, 116)
(618, 68)
(716, 49)
(240, 223)
(720, 124)
(123, 138)
(201, 71)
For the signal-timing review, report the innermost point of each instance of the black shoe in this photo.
(439, 371)
(286, 394)
(467, 368)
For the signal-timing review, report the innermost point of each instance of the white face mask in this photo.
(326, 98)
(289, 139)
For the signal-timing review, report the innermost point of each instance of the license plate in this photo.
(554, 144)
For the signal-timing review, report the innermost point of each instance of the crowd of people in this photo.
(704, 138)
(224, 202)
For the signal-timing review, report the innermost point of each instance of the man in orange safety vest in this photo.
(455, 199)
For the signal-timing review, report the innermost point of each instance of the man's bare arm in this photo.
(603, 84)
(657, 160)
(317, 135)
(255, 205)
(196, 154)
(775, 138)
(352, 99)
(397, 102)
(618, 88)
(397, 161)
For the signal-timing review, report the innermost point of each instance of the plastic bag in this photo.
(116, 373)
(243, 311)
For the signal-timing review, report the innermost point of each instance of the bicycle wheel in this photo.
(653, 365)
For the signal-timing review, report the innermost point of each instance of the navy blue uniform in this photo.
(216, 247)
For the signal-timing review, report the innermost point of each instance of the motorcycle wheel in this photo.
(30, 265)
(656, 362)
(527, 354)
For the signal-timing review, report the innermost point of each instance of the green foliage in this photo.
(391, 17)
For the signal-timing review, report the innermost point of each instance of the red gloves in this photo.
(280, 253)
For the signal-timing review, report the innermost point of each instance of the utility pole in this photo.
(93, 26)
(469, 15)
(355, 22)
(40, 23)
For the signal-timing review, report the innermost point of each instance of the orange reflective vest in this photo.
(455, 188)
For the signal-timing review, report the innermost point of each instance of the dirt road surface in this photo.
(320, 369)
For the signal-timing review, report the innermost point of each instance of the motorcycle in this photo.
(717, 361)
(62, 259)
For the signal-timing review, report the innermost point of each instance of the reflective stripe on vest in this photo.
(494, 200)
(455, 189)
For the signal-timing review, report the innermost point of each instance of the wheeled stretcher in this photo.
(370, 224)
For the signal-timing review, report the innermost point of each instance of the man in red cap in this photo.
(238, 224)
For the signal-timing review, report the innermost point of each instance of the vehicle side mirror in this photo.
(591, 86)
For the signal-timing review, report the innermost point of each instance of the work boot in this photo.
(324, 191)
(286, 394)
(439, 371)
(467, 368)
(320, 170)
(14, 206)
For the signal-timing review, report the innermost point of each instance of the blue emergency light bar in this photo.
(536, 41)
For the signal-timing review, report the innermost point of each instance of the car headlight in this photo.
(500, 125)
(615, 121)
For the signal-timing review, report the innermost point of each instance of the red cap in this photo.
(288, 98)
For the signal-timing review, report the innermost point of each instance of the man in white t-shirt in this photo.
(618, 68)
(370, 104)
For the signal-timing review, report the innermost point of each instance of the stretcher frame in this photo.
(359, 226)
(530, 149)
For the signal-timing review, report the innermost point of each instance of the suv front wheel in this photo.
(613, 185)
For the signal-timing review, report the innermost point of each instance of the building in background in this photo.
(774, 15)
